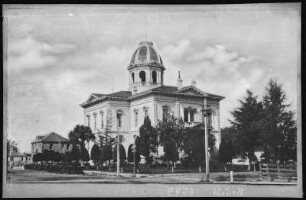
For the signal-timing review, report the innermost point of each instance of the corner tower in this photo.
(146, 69)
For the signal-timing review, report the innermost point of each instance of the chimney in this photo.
(194, 83)
(179, 81)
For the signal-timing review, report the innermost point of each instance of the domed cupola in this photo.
(146, 68)
(145, 54)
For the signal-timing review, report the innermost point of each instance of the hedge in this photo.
(55, 168)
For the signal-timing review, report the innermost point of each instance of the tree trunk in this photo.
(109, 166)
(172, 168)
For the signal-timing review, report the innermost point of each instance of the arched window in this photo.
(133, 78)
(154, 77)
(142, 76)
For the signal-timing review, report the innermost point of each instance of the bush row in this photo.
(56, 168)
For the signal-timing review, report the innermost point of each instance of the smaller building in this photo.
(51, 141)
(16, 159)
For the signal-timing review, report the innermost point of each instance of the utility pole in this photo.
(206, 140)
(118, 153)
(134, 153)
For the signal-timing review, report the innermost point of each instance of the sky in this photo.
(57, 55)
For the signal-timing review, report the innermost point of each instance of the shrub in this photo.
(56, 168)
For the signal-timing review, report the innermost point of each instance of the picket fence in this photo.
(275, 171)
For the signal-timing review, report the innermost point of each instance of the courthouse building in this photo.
(148, 96)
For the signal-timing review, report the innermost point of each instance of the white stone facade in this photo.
(148, 96)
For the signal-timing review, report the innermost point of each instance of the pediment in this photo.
(191, 91)
(92, 97)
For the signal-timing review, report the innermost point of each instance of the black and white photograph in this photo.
(105, 100)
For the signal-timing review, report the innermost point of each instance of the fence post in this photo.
(260, 172)
(277, 164)
(231, 177)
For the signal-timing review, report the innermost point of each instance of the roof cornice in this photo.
(151, 64)
(86, 104)
(152, 92)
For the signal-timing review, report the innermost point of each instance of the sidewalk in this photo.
(91, 172)
(193, 178)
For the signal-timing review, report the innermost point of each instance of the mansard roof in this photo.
(188, 91)
(51, 137)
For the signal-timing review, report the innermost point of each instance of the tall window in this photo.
(142, 76)
(185, 115)
(95, 116)
(154, 77)
(189, 114)
(209, 121)
(88, 120)
(165, 112)
(133, 77)
(119, 119)
(145, 109)
(102, 121)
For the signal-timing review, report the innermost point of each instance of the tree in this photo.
(67, 158)
(194, 145)
(122, 153)
(171, 130)
(106, 154)
(80, 134)
(228, 147)
(75, 154)
(45, 155)
(171, 136)
(171, 153)
(51, 155)
(37, 157)
(11, 147)
(105, 138)
(248, 122)
(95, 154)
(58, 156)
(147, 141)
(279, 129)
(84, 154)
(134, 152)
